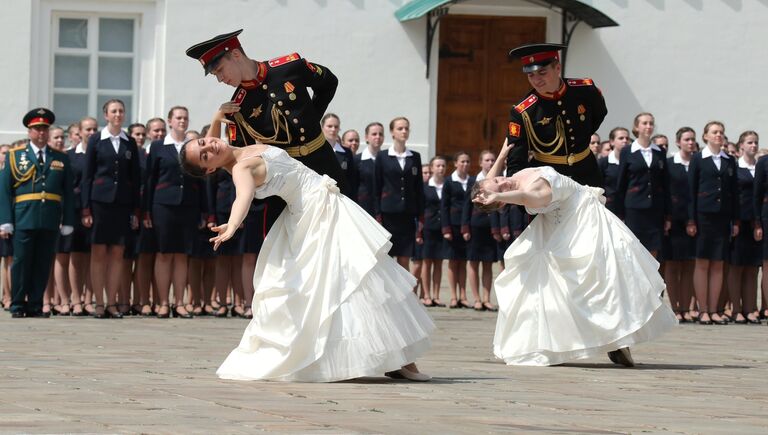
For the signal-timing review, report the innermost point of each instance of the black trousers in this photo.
(33, 254)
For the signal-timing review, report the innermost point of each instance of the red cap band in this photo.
(38, 121)
(539, 57)
(226, 45)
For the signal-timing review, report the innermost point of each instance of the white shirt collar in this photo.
(612, 159)
(706, 152)
(455, 177)
(105, 134)
(480, 176)
(338, 148)
(366, 155)
(743, 164)
(432, 183)
(636, 146)
(169, 141)
(391, 152)
(35, 149)
(679, 160)
(80, 149)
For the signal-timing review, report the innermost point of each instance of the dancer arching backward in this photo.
(576, 282)
(330, 304)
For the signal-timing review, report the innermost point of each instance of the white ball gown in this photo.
(330, 304)
(576, 283)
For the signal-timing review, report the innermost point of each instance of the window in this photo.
(94, 60)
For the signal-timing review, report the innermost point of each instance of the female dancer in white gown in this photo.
(330, 304)
(576, 283)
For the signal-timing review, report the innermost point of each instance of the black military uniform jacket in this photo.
(713, 190)
(365, 166)
(111, 177)
(556, 128)
(639, 186)
(166, 182)
(398, 190)
(678, 189)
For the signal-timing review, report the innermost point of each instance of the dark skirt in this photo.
(6, 247)
(201, 247)
(745, 251)
(418, 252)
(255, 231)
(713, 234)
(481, 245)
(111, 223)
(456, 248)
(146, 244)
(647, 225)
(64, 244)
(434, 245)
(678, 245)
(175, 228)
(234, 246)
(403, 230)
(131, 251)
(501, 248)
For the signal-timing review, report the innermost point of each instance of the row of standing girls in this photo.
(145, 226)
(699, 213)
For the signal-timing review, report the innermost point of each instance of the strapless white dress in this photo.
(330, 304)
(577, 283)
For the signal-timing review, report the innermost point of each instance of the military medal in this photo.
(581, 111)
(23, 163)
(256, 112)
(289, 88)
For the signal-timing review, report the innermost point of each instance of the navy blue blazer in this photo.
(760, 194)
(639, 186)
(365, 174)
(678, 189)
(431, 209)
(452, 205)
(746, 193)
(109, 177)
(472, 217)
(398, 190)
(713, 190)
(610, 181)
(512, 220)
(166, 183)
(347, 162)
(77, 163)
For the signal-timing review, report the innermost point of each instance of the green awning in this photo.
(581, 11)
(418, 8)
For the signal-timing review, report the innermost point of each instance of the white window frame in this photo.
(149, 40)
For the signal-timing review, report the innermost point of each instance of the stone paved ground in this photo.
(157, 376)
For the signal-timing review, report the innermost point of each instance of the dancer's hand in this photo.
(505, 147)
(486, 198)
(224, 234)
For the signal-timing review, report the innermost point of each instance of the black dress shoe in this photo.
(176, 313)
(17, 314)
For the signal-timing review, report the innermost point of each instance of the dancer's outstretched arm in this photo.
(501, 161)
(245, 185)
(537, 194)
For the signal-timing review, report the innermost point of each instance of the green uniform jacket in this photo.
(33, 196)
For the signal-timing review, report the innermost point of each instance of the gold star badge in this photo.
(256, 112)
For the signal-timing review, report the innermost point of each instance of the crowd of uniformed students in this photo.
(144, 225)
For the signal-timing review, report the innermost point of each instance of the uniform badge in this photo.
(310, 66)
(415, 170)
(581, 110)
(289, 87)
(23, 162)
(240, 96)
(256, 112)
(544, 121)
(344, 165)
(232, 132)
(514, 129)
(57, 165)
(127, 155)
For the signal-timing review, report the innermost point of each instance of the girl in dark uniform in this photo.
(58, 283)
(229, 256)
(640, 186)
(433, 248)
(609, 166)
(761, 223)
(138, 132)
(679, 247)
(417, 261)
(172, 206)
(454, 196)
(399, 192)
(254, 229)
(110, 204)
(476, 228)
(746, 252)
(713, 216)
(331, 125)
(365, 163)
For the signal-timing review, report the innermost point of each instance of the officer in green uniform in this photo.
(556, 119)
(36, 204)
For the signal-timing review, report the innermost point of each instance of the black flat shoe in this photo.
(17, 315)
(463, 303)
(176, 313)
(236, 313)
(720, 321)
(221, 312)
(99, 312)
(164, 315)
(489, 307)
(114, 313)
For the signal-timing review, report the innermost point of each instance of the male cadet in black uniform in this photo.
(272, 105)
(36, 202)
(556, 119)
